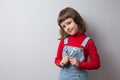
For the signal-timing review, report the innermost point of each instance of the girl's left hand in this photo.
(73, 61)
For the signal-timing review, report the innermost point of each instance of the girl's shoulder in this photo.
(90, 43)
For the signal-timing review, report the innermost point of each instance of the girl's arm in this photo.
(94, 62)
(58, 57)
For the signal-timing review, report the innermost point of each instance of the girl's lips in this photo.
(70, 30)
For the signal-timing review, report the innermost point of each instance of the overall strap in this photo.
(85, 41)
(66, 41)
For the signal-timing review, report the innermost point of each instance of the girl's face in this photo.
(69, 26)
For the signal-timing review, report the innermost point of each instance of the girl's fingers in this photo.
(73, 61)
(70, 58)
(65, 60)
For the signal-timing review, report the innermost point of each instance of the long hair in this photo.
(70, 13)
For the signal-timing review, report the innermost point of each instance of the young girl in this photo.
(75, 47)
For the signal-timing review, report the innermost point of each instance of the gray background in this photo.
(29, 32)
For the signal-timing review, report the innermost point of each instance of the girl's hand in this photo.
(73, 61)
(64, 60)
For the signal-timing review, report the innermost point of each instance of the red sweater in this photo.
(90, 51)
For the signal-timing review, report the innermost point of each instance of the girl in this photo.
(75, 47)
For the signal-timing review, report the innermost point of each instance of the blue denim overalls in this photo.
(71, 72)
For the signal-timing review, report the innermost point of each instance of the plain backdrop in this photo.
(29, 37)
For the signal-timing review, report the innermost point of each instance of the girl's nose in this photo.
(67, 28)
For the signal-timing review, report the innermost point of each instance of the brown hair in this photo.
(70, 13)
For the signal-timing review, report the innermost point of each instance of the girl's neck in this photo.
(77, 34)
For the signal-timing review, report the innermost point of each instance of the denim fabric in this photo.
(71, 72)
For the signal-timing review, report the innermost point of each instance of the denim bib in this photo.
(71, 72)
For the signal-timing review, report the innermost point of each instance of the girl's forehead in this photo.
(66, 20)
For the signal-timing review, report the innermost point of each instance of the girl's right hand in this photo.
(64, 60)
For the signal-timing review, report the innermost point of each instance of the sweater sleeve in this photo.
(58, 57)
(94, 62)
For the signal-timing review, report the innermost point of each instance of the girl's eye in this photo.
(63, 26)
(68, 23)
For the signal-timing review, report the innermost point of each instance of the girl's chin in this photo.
(72, 34)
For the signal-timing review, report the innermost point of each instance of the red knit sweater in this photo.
(90, 51)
